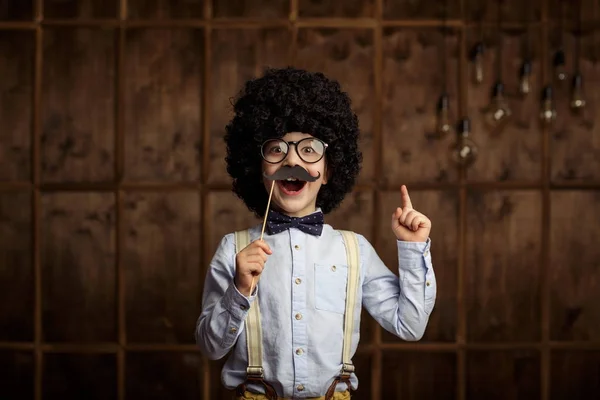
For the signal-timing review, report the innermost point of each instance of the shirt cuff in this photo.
(236, 303)
(412, 254)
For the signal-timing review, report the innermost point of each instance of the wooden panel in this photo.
(81, 8)
(217, 390)
(77, 376)
(575, 146)
(78, 112)
(16, 272)
(512, 10)
(251, 8)
(18, 372)
(226, 213)
(165, 9)
(356, 214)
(418, 376)
(332, 8)
(347, 56)
(502, 266)
(500, 375)
(163, 104)
(156, 376)
(16, 10)
(237, 55)
(420, 9)
(513, 153)
(442, 209)
(16, 90)
(78, 267)
(364, 366)
(161, 258)
(575, 375)
(413, 80)
(574, 266)
(569, 11)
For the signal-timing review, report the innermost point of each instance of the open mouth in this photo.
(291, 186)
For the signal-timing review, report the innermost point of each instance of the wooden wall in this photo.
(113, 192)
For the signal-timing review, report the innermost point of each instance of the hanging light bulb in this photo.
(443, 125)
(577, 101)
(464, 151)
(558, 63)
(477, 60)
(525, 78)
(548, 112)
(498, 112)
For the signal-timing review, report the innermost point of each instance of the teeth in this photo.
(291, 179)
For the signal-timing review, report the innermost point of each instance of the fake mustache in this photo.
(296, 171)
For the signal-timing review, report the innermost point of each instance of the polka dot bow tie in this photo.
(311, 224)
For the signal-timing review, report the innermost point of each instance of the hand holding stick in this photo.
(263, 229)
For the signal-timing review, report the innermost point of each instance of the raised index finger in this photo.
(405, 197)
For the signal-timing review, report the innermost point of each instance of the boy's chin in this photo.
(293, 208)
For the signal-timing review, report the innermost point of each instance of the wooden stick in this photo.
(266, 212)
(263, 229)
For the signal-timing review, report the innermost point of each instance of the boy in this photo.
(294, 335)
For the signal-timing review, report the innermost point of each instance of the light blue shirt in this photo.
(302, 355)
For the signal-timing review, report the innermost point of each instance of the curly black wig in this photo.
(292, 100)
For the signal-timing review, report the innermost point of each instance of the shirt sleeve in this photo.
(224, 308)
(400, 303)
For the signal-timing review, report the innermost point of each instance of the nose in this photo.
(292, 158)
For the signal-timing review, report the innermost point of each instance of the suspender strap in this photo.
(253, 327)
(351, 243)
(255, 371)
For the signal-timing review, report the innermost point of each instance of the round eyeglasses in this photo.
(310, 150)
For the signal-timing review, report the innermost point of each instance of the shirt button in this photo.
(298, 281)
(300, 388)
(243, 307)
(427, 283)
(298, 316)
(297, 247)
(299, 352)
(333, 268)
(426, 253)
(233, 330)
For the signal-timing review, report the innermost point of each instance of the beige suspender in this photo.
(253, 326)
(351, 243)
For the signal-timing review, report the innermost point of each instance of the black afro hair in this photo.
(292, 100)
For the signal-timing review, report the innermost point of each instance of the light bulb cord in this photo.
(499, 41)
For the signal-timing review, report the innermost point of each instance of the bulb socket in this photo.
(477, 50)
(577, 81)
(547, 93)
(443, 102)
(464, 126)
(525, 69)
(497, 89)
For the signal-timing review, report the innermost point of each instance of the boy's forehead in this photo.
(296, 136)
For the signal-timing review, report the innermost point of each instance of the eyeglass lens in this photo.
(309, 150)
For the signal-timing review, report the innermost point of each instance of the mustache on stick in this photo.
(296, 171)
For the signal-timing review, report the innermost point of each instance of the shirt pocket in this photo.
(330, 287)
